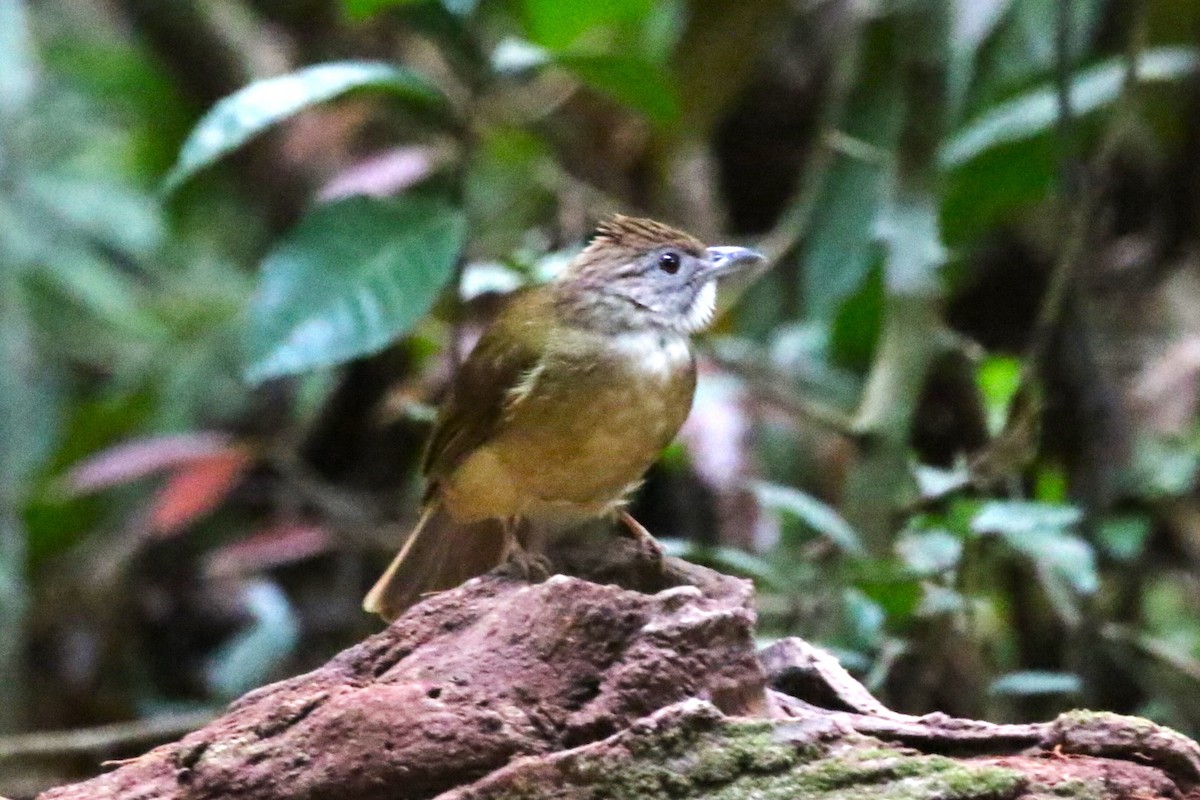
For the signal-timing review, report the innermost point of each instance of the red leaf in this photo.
(138, 458)
(273, 546)
(197, 488)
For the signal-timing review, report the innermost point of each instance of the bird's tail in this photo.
(439, 554)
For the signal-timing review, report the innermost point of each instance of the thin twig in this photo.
(765, 385)
(103, 738)
(1065, 122)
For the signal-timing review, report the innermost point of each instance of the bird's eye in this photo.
(668, 262)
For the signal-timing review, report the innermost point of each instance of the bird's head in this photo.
(639, 274)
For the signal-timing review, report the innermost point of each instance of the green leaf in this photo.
(841, 245)
(348, 280)
(865, 619)
(1165, 467)
(633, 81)
(856, 327)
(822, 518)
(560, 23)
(1042, 533)
(1023, 45)
(974, 21)
(248, 112)
(101, 289)
(108, 213)
(931, 552)
(1020, 518)
(29, 396)
(637, 83)
(1036, 682)
(505, 193)
(17, 63)
(365, 9)
(1036, 111)
(997, 188)
(998, 379)
(1124, 538)
(935, 483)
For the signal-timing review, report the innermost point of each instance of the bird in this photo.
(566, 400)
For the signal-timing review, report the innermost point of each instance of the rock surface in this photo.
(572, 688)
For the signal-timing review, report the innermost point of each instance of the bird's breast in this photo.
(591, 419)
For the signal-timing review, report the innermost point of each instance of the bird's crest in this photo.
(638, 235)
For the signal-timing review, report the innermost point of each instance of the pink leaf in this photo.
(382, 174)
(138, 458)
(273, 546)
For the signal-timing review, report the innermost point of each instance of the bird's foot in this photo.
(527, 565)
(648, 545)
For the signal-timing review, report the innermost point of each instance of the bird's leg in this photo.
(527, 564)
(648, 544)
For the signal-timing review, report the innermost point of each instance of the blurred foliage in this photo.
(952, 435)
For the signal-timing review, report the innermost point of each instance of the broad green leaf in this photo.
(348, 280)
(865, 619)
(909, 225)
(461, 8)
(1050, 484)
(973, 21)
(1036, 682)
(560, 23)
(819, 516)
(248, 112)
(1036, 111)
(997, 188)
(637, 83)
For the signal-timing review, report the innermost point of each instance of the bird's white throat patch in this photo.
(702, 310)
(654, 352)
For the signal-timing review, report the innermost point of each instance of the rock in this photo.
(575, 688)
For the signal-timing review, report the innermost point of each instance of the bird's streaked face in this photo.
(640, 284)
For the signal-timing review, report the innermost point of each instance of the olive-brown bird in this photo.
(562, 406)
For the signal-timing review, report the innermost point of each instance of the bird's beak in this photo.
(731, 259)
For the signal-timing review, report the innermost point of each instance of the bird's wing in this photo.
(485, 388)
